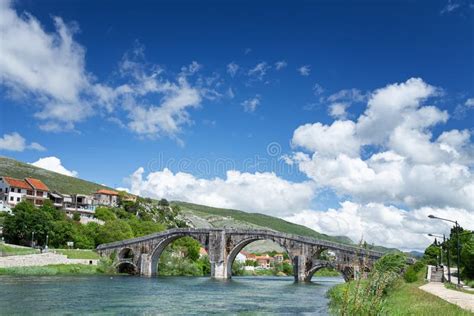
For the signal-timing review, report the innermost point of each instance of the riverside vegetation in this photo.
(392, 288)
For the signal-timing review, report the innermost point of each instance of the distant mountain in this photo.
(198, 216)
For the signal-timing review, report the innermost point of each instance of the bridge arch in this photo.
(161, 246)
(243, 243)
(346, 273)
(126, 267)
(126, 254)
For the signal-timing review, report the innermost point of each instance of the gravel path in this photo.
(40, 260)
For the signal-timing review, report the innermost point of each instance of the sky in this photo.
(353, 118)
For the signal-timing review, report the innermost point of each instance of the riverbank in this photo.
(54, 269)
(402, 298)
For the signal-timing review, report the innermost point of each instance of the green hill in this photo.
(219, 217)
(196, 215)
(55, 181)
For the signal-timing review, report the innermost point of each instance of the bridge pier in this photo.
(217, 255)
(146, 268)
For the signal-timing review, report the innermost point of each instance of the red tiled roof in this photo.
(17, 183)
(37, 184)
(107, 192)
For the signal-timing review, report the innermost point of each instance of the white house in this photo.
(13, 191)
(106, 197)
(5, 208)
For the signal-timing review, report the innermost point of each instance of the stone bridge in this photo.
(142, 254)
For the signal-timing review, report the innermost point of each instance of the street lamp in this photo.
(441, 251)
(46, 247)
(457, 243)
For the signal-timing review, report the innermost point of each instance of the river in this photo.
(47, 295)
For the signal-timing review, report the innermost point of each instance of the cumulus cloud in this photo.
(250, 105)
(338, 110)
(381, 224)
(259, 192)
(54, 164)
(304, 70)
(388, 156)
(16, 142)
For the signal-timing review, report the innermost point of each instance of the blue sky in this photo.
(232, 81)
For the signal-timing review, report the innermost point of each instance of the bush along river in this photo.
(101, 294)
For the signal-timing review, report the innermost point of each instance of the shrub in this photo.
(410, 275)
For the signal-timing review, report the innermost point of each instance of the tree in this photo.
(391, 262)
(163, 202)
(104, 214)
(431, 254)
(189, 246)
(61, 233)
(142, 228)
(114, 230)
(467, 258)
(76, 217)
(26, 219)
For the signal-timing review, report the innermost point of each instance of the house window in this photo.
(18, 199)
(1, 190)
(29, 192)
(11, 198)
(6, 190)
(39, 193)
(18, 190)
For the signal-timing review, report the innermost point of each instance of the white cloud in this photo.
(259, 71)
(470, 103)
(191, 69)
(258, 192)
(318, 89)
(382, 225)
(451, 6)
(327, 140)
(46, 66)
(49, 68)
(338, 110)
(388, 156)
(16, 142)
(54, 164)
(304, 70)
(232, 69)
(280, 65)
(347, 95)
(250, 105)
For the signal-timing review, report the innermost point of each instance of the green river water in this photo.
(128, 295)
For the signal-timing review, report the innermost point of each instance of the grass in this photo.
(327, 272)
(452, 286)
(16, 250)
(56, 269)
(403, 299)
(78, 253)
(408, 299)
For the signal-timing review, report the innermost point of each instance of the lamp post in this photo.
(447, 253)
(456, 225)
(32, 239)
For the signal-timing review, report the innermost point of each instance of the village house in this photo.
(106, 197)
(264, 261)
(279, 257)
(13, 191)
